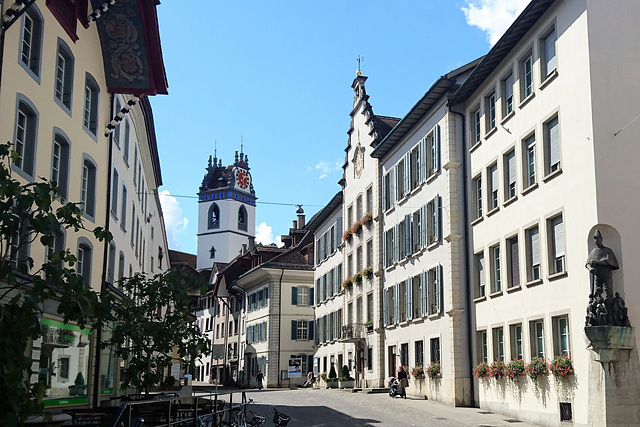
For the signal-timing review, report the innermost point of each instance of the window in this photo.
(561, 334)
(492, 174)
(114, 192)
(31, 41)
(419, 353)
(510, 175)
(418, 298)
(414, 170)
(403, 239)
(435, 350)
(548, 54)
(516, 341)
(537, 339)
(350, 265)
(359, 260)
(533, 254)
(552, 145)
(242, 218)
(83, 263)
(63, 363)
(529, 150)
(507, 91)
(498, 344)
(359, 310)
(111, 265)
(513, 262)
(370, 307)
(64, 76)
(483, 351)
(433, 151)
(26, 136)
(496, 282)
(303, 330)
(416, 231)
(370, 253)
(526, 73)
(20, 243)
(359, 212)
(556, 250)
(475, 127)
(350, 216)
(401, 189)
(121, 265)
(123, 206)
(387, 191)
(301, 296)
(480, 274)
(490, 112)
(404, 354)
(56, 246)
(214, 216)
(433, 220)
(88, 188)
(135, 161)
(127, 140)
(91, 94)
(133, 220)
(389, 248)
(477, 197)
(116, 130)
(60, 163)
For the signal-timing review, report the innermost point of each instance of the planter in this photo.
(346, 384)
(56, 420)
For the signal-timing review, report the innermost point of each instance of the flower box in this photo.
(346, 383)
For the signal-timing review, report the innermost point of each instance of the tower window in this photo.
(212, 252)
(214, 216)
(242, 218)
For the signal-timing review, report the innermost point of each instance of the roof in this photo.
(428, 100)
(177, 257)
(145, 105)
(523, 23)
(324, 213)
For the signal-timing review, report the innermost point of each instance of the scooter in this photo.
(394, 384)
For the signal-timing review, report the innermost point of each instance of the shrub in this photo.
(538, 367)
(323, 376)
(498, 369)
(481, 370)
(418, 372)
(433, 369)
(515, 369)
(561, 366)
(332, 373)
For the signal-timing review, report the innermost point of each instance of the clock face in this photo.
(358, 161)
(243, 179)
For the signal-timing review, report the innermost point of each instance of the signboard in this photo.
(316, 366)
(175, 370)
(295, 367)
(217, 351)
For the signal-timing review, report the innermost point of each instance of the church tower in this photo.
(226, 211)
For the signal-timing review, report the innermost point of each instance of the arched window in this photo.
(60, 162)
(90, 115)
(84, 260)
(88, 188)
(214, 216)
(26, 136)
(242, 219)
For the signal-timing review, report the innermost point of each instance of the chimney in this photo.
(295, 224)
(244, 248)
(252, 243)
(300, 213)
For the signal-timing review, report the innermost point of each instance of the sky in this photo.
(276, 75)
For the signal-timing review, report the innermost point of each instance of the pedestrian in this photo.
(309, 381)
(259, 378)
(404, 382)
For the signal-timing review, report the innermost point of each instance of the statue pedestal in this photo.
(614, 384)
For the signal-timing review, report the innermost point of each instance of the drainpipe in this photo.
(279, 323)
(105, 260)
(467, 274)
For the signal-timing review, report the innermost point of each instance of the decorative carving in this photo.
(603, 309)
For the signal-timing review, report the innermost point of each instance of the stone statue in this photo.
(603, 308)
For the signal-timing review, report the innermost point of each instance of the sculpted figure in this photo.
(600, 263)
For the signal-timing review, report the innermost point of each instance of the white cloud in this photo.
(264, 235)
(174, 222)
(493, 16)
(325, 168)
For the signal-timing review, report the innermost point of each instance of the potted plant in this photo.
(348, 282)
(433, 370)
(369, 326)
(332, 380)
(418, 373)
(538, 367)
(346, 236)
(79, 388)
(358, 277)
(481, 370)
(368, 272)
(345, 380)
(367, 218)
(498, 369)
(515, 369)
(357, 228)
(561, 367)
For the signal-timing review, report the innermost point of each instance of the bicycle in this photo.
(280, 419)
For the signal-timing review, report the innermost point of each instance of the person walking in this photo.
(259, 378)
(404, 382)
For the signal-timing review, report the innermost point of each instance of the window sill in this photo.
(433, 316)
(403, 261)
(552, 175)
(391, 209)
(122, 227)
(533, 283)
(475, 146)
(495, 294)
(477, 220)
(403, 323)
(66, 109)
(490, 132)
(417, 187)
(510, 200)
(527, 100)
(514, 288)
(550, 77)
(506, 118)
(432, 177)
(529, 189)
(403, 199)
(418, 319)
(493, 211)
(391, 267)
(433, 245)
(556, 276)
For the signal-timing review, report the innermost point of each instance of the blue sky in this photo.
(279, 73)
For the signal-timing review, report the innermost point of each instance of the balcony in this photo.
(353, 332)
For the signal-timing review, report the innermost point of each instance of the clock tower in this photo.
(226, 211)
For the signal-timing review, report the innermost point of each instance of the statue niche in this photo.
(603, 308)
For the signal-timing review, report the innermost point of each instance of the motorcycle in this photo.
(394, 384)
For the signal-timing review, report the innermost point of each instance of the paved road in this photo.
(321, 407)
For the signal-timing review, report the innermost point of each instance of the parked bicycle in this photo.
(280, 419)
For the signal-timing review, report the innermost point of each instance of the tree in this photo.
(150, 321)
(34, 213)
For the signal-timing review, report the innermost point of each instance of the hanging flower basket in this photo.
(561, 367)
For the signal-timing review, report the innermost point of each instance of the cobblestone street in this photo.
(321, 407)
